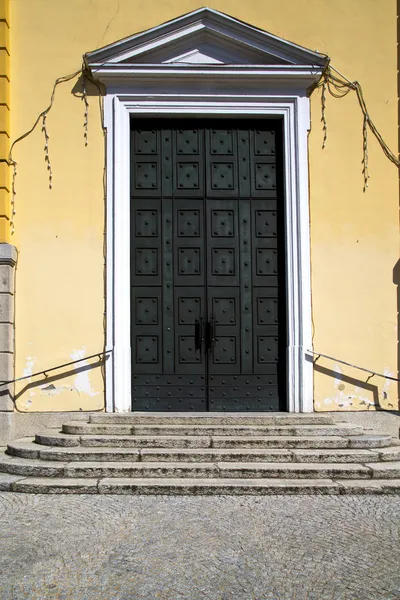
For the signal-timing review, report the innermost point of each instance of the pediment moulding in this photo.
(209, 42)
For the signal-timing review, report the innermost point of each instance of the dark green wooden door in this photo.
(208, 298)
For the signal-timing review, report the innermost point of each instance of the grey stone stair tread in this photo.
(30, 466)
(49, 438)
(377, 441)
(55, 485)
(26, 448)
(312, 470)
(282, 441)
(369, 486)
(7, 480)
(53, 437)
(383, 470)
(154, 469)
(345, 455)
(214, 454)
(136, 441)
(216, 486)
(39, 468)
(151, 430)
(80, 427)
(69, 440)
(263, 430)
(198, 486)
(390, 454)
(210, 418)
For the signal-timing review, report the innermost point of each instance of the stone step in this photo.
(317, 442)
(55, 438)
(27, 448)
(340, 429)
(175, 486)
(256, 487)
(154, 418)
(71, 468)
(50, 438)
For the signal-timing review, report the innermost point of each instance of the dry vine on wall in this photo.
(332, 81)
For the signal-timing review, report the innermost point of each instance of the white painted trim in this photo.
(294, 109)
(205, 24)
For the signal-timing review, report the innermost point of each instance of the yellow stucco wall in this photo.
(59, 232)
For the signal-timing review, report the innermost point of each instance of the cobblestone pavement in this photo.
(214, 548)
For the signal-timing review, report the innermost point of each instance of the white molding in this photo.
(295, 113)
(250, 90)
(205, 25)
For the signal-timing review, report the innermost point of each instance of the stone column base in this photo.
(8, 261)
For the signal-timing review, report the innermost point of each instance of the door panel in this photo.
(222, 243)
(224, 319)
(208, 298)
(190, 308)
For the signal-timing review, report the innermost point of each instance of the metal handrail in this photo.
(45, 371)
(343, 362)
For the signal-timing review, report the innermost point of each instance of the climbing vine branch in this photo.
(42, 118)
(339, 86)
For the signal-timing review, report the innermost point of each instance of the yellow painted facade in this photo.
(5, 125)
(59, 232)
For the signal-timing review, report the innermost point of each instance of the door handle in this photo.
(211, 334)
(199, 334)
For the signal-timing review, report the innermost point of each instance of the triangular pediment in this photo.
(205, 37)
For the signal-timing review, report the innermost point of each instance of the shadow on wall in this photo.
(364, 385)
(396, 281)
(49, 380)
(93, 88)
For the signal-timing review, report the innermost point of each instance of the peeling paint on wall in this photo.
(30, 363)
(349, 397)
(82, 382)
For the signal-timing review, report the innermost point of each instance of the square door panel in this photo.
(221, 141)
(188, 223)
(187, 176)
(189, 262)
(145, 141)
(146, 176)
(264, 143)
(146, 310)
(147, 349)
(146, 223)
(266, 349)
(222, 223)
(187, 353)
(223, 262)
(265, 223)
(264, 176)
(147, 262)
(222, 178)
(187, 141)
(224, 351)
(224, 310)
(266, 309)
(189, 310)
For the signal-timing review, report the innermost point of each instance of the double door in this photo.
(207, 266)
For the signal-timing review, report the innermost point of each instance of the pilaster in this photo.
(5, 171)
(8, 261)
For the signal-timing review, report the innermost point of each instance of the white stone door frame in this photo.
(292, 105)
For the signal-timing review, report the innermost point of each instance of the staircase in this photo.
(207, 453)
